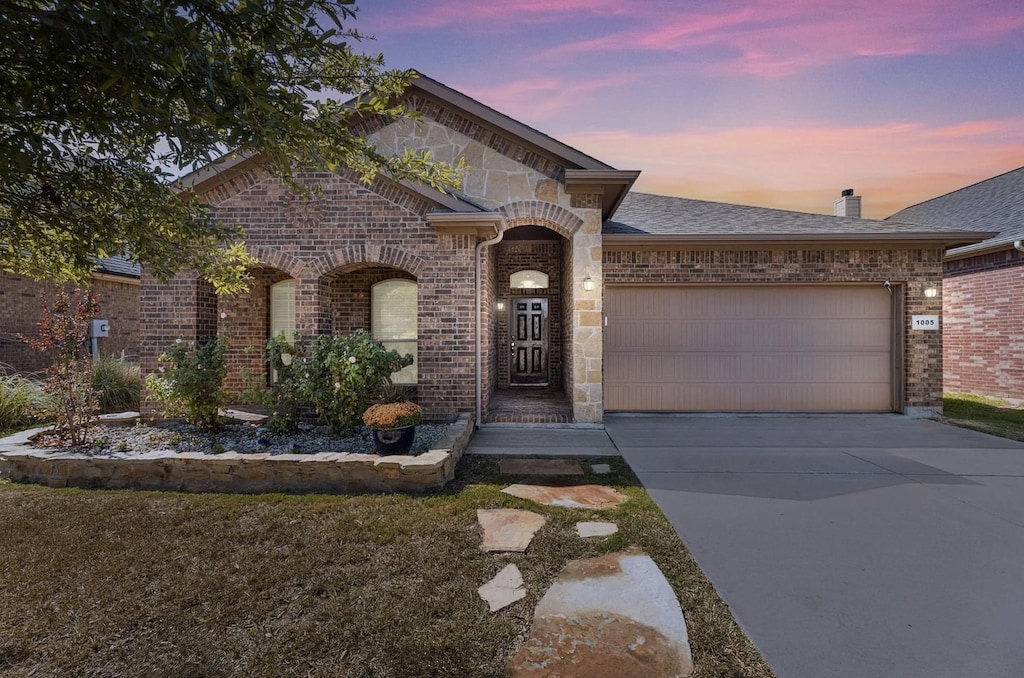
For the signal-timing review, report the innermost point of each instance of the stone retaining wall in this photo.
(234, 472)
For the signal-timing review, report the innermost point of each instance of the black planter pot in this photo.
(394, 440)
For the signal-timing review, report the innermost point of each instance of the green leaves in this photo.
(338, 375)
(191, 385)
(103, 101)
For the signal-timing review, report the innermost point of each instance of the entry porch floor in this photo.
(528, 405)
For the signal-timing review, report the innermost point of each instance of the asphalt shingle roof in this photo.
(996, 204)
(118, 265)
(643, 213)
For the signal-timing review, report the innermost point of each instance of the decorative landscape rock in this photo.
(118, 418)
(231, 471)
(571, 496)
(605, 617)
(242, 415)
(596, 529)
(505, 589)
(601, 469)
(508, 530)
(540, 467)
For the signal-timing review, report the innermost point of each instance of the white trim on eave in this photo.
(943, 239)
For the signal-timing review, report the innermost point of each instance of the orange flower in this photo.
(393, 415)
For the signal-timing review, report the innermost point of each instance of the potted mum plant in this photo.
(393, 421)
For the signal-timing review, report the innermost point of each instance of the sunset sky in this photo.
(779, 103)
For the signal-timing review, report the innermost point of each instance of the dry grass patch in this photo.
(988, 415)
(158, 584)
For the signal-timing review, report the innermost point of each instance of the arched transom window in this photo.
(528, 280)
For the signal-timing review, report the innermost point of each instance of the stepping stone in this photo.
(508, 530)
(615, 615)
(118, 418)
(601, 469)
(245, 417)
(596, 529)
(505, 589)
(540, 467)
(571, 496)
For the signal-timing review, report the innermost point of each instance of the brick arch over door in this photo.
(540, 213)
(368, 254)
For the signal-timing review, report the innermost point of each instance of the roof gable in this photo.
(993, 205)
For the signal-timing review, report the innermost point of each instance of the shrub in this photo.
(191, 385)
(119, 384)
(284, 396)
(23, 402)
(63, 335)
(340, 374)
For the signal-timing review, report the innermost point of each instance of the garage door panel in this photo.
(772, 333)
(768, 348)
(658, 368)
(725, 397)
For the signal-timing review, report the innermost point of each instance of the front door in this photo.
(529, 324)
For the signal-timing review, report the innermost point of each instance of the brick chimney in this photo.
(847, 206)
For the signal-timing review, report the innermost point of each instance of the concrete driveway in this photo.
(849, 546)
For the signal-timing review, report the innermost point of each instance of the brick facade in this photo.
(909, 270)
(348, 235)
(21, 307)
(983, 330)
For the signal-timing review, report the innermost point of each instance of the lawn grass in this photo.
(984, 414)
(126, 583)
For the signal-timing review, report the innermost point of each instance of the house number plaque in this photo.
(924, 322)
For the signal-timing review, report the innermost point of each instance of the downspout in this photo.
(479, 320)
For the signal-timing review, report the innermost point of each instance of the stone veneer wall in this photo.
(21, 310)
(908, 269)
(983, 325)
(526, 187)
(546, 257)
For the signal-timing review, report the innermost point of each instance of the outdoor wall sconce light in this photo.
(930, 290)
(500, 305)
(588, 284)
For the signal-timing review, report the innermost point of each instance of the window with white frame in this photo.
(393, 322)
(282, 313)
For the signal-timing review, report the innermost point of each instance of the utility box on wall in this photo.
(99, 328)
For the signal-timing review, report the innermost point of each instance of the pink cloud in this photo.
(487, 16)
(773, 38)
(539, 98)
(804, 168)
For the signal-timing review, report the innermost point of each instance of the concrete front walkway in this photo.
(547, 441)
(849, 546)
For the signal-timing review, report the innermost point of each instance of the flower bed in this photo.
(232, 471)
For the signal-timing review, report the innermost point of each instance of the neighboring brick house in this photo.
(983, 286)
(544, 272)
(116, 285)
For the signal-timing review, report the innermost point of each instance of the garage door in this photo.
(782, 348)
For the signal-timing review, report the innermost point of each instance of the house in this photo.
(116, 286)
(547, 283)
(983, 304)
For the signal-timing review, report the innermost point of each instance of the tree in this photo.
(103, 102)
